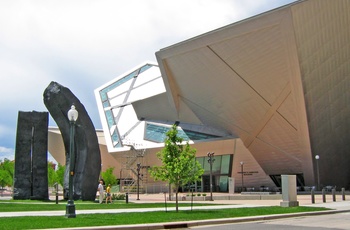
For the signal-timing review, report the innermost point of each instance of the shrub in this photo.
(204, 194)
(118, 196)
(198, 194)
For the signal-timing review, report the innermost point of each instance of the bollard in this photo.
(333, 194)
(343, 193)
(313, 196)
(56, 187)
(324, 195)
(127, 197)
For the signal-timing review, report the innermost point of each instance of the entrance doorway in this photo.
(206, 183)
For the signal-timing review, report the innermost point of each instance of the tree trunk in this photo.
(177, 202)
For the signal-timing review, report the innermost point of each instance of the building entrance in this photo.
(206, 183)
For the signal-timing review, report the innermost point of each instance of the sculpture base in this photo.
(289, 203)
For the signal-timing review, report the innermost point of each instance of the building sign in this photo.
(248, 173)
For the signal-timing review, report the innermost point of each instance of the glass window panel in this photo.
(206, 165)
(110, 118)
(192, 135)
(119, 90)
(106, 104)
(157, 133)
(146, 67)
(223, 183)
(103, 92)
(216, 164)
(225, 164)
(115, 139)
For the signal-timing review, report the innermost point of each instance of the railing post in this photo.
(324, 195)
(313, 196)
(56, 191)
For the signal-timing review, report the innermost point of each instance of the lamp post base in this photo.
(70, 209)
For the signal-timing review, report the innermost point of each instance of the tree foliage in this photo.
(109, 177)
(7, 169)
(52, 175)
(60, 174)
(179, 165)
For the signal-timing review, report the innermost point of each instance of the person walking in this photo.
(100, 191)
(109, 195)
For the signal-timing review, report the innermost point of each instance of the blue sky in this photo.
(83, 44)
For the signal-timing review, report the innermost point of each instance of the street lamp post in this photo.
(317, 157)
(211, 161)
(242, 163)
(72, 117)
(138, 180)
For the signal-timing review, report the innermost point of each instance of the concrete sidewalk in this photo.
(236, 201)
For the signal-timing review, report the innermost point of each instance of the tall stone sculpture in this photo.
(30, 177)
(58, 100)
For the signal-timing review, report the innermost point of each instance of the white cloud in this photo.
(82, 44)
(6, 150)
(7, 153)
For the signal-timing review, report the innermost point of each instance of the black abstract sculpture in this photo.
(30, 177)
(58, 100)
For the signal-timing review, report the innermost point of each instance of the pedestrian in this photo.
(100, 191)
(109, 195)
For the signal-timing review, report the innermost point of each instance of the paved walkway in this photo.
(237, 201)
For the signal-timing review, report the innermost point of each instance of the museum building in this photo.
(268, 95)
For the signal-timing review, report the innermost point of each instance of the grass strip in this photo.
(83, 205)
(85, 220)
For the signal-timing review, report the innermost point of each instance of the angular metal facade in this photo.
(279, 81)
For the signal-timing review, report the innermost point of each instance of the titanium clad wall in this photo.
(279, 81)
(245, 78)
(323, 35)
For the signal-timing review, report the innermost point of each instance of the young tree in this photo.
(179, 165)
(109, 177)
(6, 172)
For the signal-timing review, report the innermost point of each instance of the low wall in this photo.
(234, 197)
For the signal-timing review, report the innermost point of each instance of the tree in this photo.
(109, 177)
(60, 174)
(179, 165)
(52, 175)
(6, 172)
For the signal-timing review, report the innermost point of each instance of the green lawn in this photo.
(18, 206)
(129, 218)
(137, 218)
